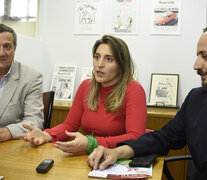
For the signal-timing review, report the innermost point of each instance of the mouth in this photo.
(2, 59)
(99, 73)
(201, 73)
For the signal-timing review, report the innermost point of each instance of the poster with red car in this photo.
(166, 17)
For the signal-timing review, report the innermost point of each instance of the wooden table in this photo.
(157, 117)
(18, 160)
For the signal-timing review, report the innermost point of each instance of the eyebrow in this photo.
(202, 52)
(107, 55)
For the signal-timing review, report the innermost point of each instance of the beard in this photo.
(203, 83)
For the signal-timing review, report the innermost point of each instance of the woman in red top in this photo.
(110, 107)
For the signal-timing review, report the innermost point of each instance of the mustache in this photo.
(201, 73)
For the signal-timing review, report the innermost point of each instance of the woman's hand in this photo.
(36, 136)
(76, 146)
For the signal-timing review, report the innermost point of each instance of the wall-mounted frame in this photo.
(63, 82)
(164, 90)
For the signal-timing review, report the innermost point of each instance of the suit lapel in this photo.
(10, 87)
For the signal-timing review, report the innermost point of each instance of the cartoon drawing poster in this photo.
(88, 16)
(125, 14)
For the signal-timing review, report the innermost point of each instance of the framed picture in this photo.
(63, 81)
(164, 90)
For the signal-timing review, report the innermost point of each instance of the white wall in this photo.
(152, 53)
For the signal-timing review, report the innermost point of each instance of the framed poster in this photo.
(164, 90)
(166, 17)
(88, 16)
(63, 82)
(125, 17)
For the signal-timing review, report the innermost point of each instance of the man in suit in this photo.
(20, 90)
(187, 128)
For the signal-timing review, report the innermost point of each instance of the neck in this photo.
(3, 72)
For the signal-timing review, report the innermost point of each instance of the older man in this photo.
(20, 90)
(187, 128)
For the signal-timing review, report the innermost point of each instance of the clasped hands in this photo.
(38, 137)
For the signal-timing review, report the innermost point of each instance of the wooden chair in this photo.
(48, 98)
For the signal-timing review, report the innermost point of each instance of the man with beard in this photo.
(187, 128)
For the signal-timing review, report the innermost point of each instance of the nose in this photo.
(2, 52)
(101, 62)
(198, 63)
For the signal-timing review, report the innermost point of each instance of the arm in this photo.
(32, 105)
(171, 136)
(73, 119)
(5, 134)
(136, 116)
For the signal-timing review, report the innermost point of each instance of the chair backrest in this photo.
(171, 159)
(48, 98)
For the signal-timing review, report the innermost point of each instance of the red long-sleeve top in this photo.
(108, 129)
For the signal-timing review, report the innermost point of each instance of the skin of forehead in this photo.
(8, 38)
(202, 43)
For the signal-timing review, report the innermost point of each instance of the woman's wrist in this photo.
(92, 144)
(48, 137)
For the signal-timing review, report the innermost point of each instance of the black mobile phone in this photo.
(143, 161)
(45, 165)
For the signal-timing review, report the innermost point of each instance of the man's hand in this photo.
(5, 134)
(102, 157)
(36, 136)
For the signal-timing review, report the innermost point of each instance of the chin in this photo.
(99, 80)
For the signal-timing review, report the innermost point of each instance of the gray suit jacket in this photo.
(21, 100)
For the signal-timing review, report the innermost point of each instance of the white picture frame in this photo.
(63, 82)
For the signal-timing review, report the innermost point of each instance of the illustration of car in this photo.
(166, 18)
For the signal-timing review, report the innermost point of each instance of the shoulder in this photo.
(135, 86)
(85, 84)
(195, 96)
(26, 70)
(196, 92)
(135, 90)
(25, 73)
(194, 100)
(29, 70)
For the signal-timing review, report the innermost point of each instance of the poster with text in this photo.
(166, 17)
(63, 82)
(125, 16)
(88, 16)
